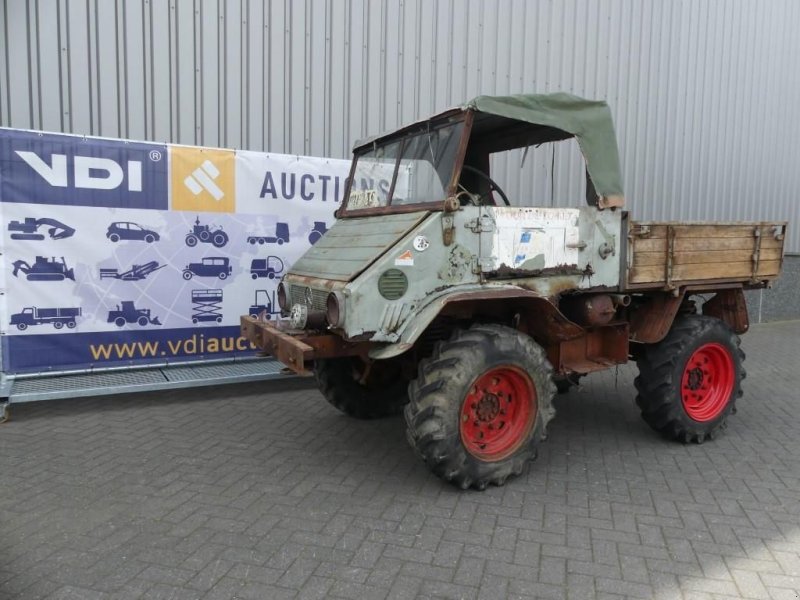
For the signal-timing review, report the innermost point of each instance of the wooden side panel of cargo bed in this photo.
(670, 254)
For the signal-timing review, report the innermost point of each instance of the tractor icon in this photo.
(203, 233)
(128, 313)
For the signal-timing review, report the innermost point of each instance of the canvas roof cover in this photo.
(588, 120)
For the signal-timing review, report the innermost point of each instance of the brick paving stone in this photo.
(265, 491)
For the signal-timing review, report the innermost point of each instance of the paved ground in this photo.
(242, 493)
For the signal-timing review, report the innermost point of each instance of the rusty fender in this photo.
(549, 323)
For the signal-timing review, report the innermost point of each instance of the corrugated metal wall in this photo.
(706, 93)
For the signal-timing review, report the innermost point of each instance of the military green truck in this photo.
(432, 295)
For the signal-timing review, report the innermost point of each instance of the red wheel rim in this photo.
(498, 413)
(707, 382)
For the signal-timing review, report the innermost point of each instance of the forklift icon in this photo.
(206, 306)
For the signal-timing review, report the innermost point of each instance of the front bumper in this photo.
(297, 349)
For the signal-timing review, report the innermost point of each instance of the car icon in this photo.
(125, 230)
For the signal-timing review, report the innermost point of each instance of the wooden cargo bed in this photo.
(669, 255)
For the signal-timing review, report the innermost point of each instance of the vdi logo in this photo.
(70, 170)
(88, 172)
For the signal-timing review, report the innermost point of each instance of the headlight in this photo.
(334, 309)
(283, 299)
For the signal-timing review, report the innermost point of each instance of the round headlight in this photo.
(334, 309)
(283, 300)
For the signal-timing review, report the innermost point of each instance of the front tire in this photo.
(381, 393)
(480, 405)
(689, 382)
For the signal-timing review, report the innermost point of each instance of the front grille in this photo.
(318, 297)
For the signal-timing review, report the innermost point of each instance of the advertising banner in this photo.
(119, 253)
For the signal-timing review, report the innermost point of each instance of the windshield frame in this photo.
(407, 133)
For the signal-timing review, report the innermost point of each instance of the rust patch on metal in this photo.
(729, 306)
(651, 322)
(296, 348)
(506, 272)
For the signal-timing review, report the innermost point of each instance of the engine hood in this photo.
(352, 245)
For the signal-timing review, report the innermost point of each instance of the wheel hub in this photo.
(498, 413)
(708, 382)
(488, 407)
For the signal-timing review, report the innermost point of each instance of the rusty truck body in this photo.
(434, 296)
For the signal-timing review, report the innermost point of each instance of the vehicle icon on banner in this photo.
(266, 308)
(28, 229)
(206, 306)
(320, 228)
(44, 269)
(125, 230)
(212, 266)
(57, 317)
(203, 233)
(281, 236)
(127, 313)
(135, 273)
(266, 267)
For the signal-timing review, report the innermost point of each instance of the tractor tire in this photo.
(142, 321)
(384, 393)
(219, 239)
(689, 382)
(313, 237)
(119, 321)
(191, 240)
(480, 405)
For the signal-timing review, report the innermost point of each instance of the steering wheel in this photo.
(489, 180)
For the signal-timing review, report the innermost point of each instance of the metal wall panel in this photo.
(704, 92)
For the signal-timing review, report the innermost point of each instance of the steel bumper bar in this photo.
(296, 349)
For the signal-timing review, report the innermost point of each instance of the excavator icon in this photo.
(44, 269)
(28, 229)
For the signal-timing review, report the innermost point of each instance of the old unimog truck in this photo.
(434, 296)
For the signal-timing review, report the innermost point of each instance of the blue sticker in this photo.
(525, 237)
(49, 168)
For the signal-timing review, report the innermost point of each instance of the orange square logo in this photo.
(202, 179)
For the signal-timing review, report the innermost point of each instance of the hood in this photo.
(351, 245)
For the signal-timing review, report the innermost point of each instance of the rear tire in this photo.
(689, 382)
(384, 393)
(480, 405)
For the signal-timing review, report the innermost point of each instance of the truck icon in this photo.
(266, 267)
(58, 317)
(211, 266)
(128, 313)
(281, 236)
(320, 228)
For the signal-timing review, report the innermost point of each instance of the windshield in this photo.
(414, 169)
